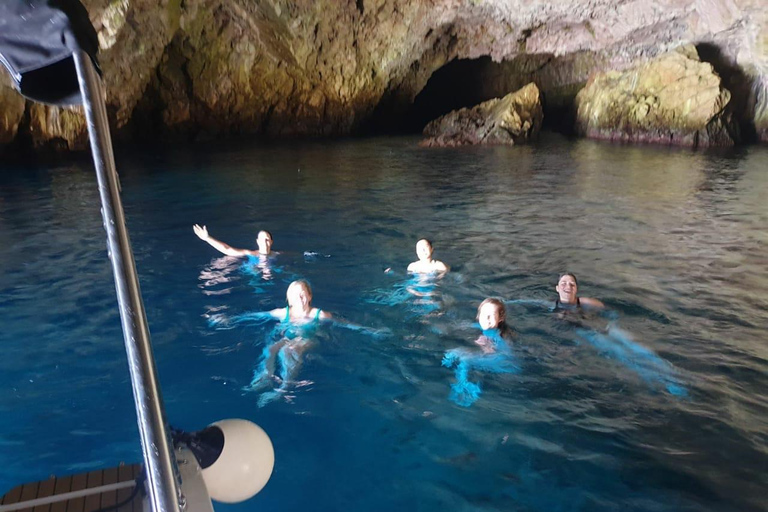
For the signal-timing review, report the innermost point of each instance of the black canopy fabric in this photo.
(37, 39)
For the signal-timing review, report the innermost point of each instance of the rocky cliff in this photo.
(207, 68)
(673, 99)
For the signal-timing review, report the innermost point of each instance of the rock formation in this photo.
(673, 99)
(201, 68)
(514, 119)
(11, 111)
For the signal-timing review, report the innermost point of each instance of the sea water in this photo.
(659, 404)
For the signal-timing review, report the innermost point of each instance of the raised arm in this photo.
(202, 233)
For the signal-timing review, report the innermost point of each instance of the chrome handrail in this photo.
(162, 473)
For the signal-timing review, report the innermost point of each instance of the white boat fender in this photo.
(236, 457)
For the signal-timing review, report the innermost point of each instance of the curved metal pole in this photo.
(162, 473)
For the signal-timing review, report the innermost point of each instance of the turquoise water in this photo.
(661, 404)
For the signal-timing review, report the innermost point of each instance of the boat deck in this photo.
(67, 484)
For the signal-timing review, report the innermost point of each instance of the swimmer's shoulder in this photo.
(320, 314)
(591, 303)
(436, 266)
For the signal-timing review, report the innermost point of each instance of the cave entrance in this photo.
(467, 82)
(460, 83)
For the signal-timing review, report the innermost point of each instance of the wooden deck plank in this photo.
(137, 501)
(63, 484)
(12, 496)
(79, 482)
(93, 502)
(109, 476)
(45, 489)
(124, 474)
(28, 492)
(54, 486)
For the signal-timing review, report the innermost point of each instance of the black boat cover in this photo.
(37, 39)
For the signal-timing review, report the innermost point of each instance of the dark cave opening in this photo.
(738, 83)
(465, 83)
(458, 84)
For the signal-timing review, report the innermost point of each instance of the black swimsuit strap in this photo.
(558, 304)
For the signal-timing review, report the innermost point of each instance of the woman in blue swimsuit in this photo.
(299, 310)
(298, 319)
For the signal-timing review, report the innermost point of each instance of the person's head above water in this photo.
(424, 249)
(425, 263)
(299, 295)
(491, 314)
(567, 290)
(567, 287)
(264, 242)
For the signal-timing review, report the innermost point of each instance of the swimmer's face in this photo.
(264, 241)
(424, 250)
(490, 316)
(299, 295)
(567, 289)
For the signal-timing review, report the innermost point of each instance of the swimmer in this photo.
(426, 265)
(263, 241)
(492, 317)
(611, 340)
(299, 309)
(289, 349)
(496, 356)
(567, 288)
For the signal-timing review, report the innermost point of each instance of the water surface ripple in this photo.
(674, 242)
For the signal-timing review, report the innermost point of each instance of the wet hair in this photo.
(503, 328)
(303, 283)
(266, 232)
(568, 274)
(499, 306)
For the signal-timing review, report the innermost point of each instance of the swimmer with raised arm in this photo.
(426, 264)
(567, 289)
(263, 241)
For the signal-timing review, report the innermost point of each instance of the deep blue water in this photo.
(674, 242)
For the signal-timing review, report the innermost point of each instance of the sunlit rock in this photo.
(759, 97)
(58, 127)
(11, 113)
(329, 67)
(674, 99)
(514, 119)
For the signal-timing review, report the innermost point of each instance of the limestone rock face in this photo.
(759, 97)
(329, 67)
(58, 128)
(514, 119)
(11, 113)
(674, 99)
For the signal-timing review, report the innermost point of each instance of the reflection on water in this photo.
(661, 405)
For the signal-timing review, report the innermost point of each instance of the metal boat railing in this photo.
(163, 481)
